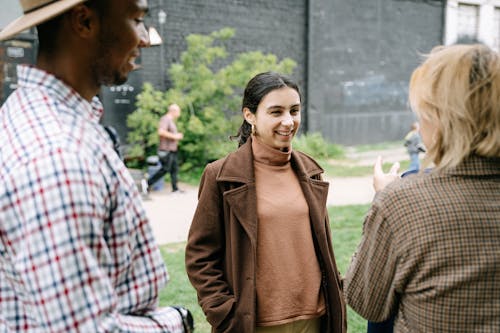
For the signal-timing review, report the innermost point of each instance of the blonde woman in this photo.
(432, 239)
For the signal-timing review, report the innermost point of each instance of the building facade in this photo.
(362, 54)
(354, 58)
(21, 49)
(473, 20)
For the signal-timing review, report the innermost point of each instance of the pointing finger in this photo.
(377, 167)
(394, 169)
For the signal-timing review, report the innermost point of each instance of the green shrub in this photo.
(210, 99)
(317, 147)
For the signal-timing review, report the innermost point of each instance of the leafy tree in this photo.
(209, 94)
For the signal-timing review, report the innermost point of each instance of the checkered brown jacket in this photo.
(430, 252)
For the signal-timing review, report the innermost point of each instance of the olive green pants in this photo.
(299, 326)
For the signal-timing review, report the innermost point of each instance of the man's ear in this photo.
(248, 115)
(84, 21)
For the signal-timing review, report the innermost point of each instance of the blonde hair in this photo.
(457, 88)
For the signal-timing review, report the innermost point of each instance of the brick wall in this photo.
(362, 56)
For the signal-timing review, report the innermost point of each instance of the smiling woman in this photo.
(277, 118)
(260, 235)
(278, 98)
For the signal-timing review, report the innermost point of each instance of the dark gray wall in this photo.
(362, 53)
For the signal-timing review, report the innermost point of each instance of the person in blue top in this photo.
(414, 146)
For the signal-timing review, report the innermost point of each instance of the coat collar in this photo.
(475, 165)
(238, 165)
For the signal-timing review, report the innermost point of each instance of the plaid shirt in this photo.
(76, 250)
(430, 252)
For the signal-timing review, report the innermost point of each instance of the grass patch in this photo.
(179, 291)
(377, 146)
(346, 223)
(333, 169)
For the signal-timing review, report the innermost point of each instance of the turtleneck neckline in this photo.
(263, 153)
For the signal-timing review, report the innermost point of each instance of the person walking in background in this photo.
(77, 253)
(167, 149)
(414, 146)
(431, 239)
(259, 249)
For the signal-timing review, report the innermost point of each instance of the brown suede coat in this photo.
(221, 249)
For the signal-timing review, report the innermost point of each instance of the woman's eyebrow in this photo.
(282, 107)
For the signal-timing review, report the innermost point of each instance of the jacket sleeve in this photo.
(374, 299)
(205, 252)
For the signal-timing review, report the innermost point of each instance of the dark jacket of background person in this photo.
(226, 270)
(432, 242)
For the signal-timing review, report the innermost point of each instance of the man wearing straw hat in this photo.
(76, 249)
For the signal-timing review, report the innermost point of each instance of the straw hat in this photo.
(36, 12)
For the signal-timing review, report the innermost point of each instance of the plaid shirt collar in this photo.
(30, 77)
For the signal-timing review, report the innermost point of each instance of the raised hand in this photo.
(381, 179)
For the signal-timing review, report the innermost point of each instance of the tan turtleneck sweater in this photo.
(288, 274)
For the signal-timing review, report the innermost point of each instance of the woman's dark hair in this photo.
(257, 88)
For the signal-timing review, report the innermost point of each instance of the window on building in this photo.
(467, 21)
(496, 41)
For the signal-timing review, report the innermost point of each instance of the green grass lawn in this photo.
(377, 146)
(346, 223)
(333, 170)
